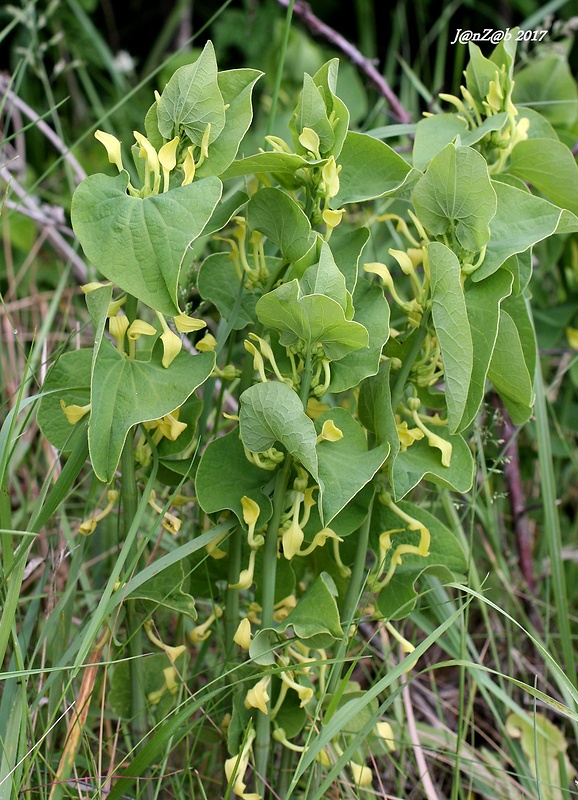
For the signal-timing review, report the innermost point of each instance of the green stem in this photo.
(134, 634)
(408, 361)
(306, 376)
(279, 76)
(354, 590)
(263, 727)
(232, 595)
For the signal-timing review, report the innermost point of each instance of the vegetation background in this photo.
(71, 66)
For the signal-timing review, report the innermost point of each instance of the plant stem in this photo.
(352, 595)
(232, 595)
(408, 361)
(279, 76)
(263, 738)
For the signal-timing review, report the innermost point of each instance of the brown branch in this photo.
(513, 477)
(302, 10)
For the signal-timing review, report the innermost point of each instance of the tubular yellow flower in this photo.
(257, 697)
(284, 607)
(258, 363)
(280, 736)
(112, 146)
(213, 548)
(118, 327)
(329, 432)
(279, 145)
(236, 766)
(246, 576)
(315, 408)
(309, 139)
(189, 167)
(362, 775)
(319, 540)
(205, 144)
(434, 440)
(385, 732)
(377, 268)
(412, 523)
(202, 632)
(88, 526)
(92, 286)
(140, 328)
(170, 522)
(332, 218)
(168, 160)
(150, 155)
(73, 412)
(172, 652)
(267, 353)
(115, 306)
(406, 646)
(292, 539)
(251, 513)
(408, 436)
(571, 336)
(207, 344)
(242, 635)
(330, 174)
(172, 344)
(186, 324)
(170, 427)
(305, 693)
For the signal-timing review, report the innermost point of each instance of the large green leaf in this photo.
(272, 412)
(509, 372)
(370, 169)
(279, 163)
(550, 167)
(371, 311)
(341, 485)
(483, 302)
(456, 197)
(192, 100)
(225, 475)
(422, 462)
(126, 392)
(236, 86)
(521, 220)
(432, 134)
(139, 244)
(446, 559)
(325, 278)
(311, 319)
(276, 215)
(452, 328)
(547, 85)
(165, 589)
(71, 374)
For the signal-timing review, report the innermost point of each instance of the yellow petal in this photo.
(92, 286)
(330, 174)
(112, 146)
(292, 540)
(380, 269)
(332, 217)
(330, 432)
(148, 152)
(168, 154)
(310, 140)
(403, 260)
(251, 510)
(385, 732)
(207, 344)
(186, 324)
(242, 635)
(189, 167)
(87, 527)
(73, 412)
(140, 328)
(172, 346)
(362, 775)
(257, 697)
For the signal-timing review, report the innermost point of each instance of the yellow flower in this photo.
(168, 160)
(330, 432)
(140, 328)
(310, 141)
(189, 167)
(305, 693)
(92, 286)
(112, 146)
(172, 344)
(434, 440)
(88, 526)
(257, 697)
(246, 576)
(236, 766)
(319, 540)
(202, 632)
(408, 436)
(73, 412)
(330, 174)
(207, 344)
(572, 336)
(332, 217)
(150, 155)
(292, 539)
(186, 324)
(362, 775)
(385, 732)
(118, 327)
(170, 427)
(242, 635)
(279, 145)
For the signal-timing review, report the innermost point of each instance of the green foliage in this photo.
(347, 384)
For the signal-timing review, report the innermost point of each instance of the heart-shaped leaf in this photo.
(139, 244)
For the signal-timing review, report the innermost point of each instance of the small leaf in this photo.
(452, 328)
(236, 86)
(71, 373)
(192, 100)
(271, 412)
(276, 215)
(311, 112)
(432, 134)
(371, 311)
(341, 485)
(225, 475)
(278, 163)
(370, 169)
(456, 196)
(315, 618)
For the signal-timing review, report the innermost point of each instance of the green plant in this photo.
(301, 525)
